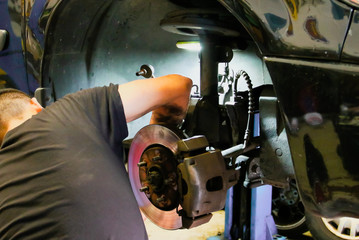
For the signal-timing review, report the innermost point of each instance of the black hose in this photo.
(246, 77)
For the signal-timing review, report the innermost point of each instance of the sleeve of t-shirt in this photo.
(102, 106)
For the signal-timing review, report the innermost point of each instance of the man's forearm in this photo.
(167, 97)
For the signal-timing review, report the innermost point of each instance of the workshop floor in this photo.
(213, 230)
(215, 227)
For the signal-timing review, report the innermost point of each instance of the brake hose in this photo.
(246, 77)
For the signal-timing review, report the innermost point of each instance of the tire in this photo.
(325, 229)
(288, 212)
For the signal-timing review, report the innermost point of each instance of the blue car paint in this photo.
(12, 62)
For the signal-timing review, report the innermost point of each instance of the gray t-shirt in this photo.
(62, 174)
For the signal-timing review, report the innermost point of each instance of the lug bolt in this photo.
(142, 164)
(156, 158)
(160, 199)
(144, 189)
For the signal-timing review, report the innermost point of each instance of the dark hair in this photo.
(12, 105)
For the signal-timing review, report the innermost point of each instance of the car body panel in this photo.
(295, 28)
(320, 108)
(351, 46)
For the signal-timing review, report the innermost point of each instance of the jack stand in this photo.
(262, 222)
(249, 214)
(237, 218)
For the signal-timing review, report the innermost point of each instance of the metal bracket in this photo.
(276, 161)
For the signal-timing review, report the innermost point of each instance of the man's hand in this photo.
(168, 114)
(167, 97)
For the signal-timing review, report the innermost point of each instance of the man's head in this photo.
(15, 108)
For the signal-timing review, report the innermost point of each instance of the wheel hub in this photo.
(158, 177)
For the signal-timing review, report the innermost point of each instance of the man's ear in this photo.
(36, 105)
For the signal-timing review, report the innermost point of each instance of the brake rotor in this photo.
(152, 169)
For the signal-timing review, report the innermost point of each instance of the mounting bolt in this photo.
(278, 152)
(169, 182)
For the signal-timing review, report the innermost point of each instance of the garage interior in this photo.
(234, 119)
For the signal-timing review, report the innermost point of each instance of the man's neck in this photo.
(13, 123)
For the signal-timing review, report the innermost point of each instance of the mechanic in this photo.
(62, 174)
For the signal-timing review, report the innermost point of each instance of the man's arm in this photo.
(167, 97)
